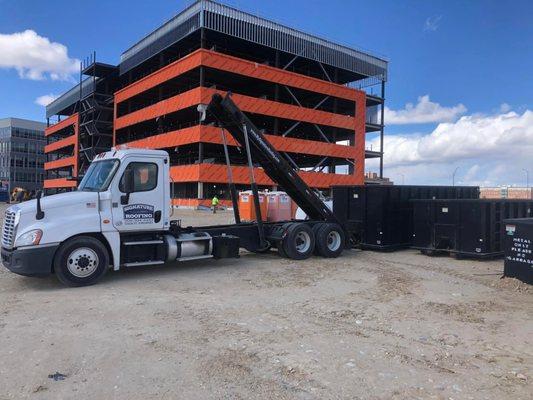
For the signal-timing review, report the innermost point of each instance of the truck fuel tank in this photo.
(187, 246)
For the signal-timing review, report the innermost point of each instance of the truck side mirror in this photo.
(128, 185)
(40, 214)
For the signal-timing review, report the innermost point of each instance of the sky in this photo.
(459, 95)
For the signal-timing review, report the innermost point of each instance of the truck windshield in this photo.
(98, 176)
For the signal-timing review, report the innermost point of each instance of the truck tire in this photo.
(316, 227)
(299, 242)
(329, 240)
(279, 245)
(81, 261)
(281, 251)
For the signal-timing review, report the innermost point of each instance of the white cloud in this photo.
(504, 108)
(36, 57)
(45, 99)
(488, 149)
(423, 112)
(432, 23)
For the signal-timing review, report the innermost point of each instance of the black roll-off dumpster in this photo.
(381, 216)
(518, 249)
(471, 228)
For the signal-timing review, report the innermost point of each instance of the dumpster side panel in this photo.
(518, 249)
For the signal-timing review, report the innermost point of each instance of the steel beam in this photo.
(382, 133)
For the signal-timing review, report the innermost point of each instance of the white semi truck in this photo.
(120, 216)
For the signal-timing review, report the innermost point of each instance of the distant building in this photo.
(21, 153)
(372, 178)
(505, 192)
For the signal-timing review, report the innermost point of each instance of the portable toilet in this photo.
(278, 207)
(294, 209)
(247, 208)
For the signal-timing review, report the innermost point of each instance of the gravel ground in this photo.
(364, 326)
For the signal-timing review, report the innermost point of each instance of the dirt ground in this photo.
(367, 325)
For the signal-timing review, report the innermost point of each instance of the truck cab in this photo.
(124, 192)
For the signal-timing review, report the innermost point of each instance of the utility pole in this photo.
(453, 175)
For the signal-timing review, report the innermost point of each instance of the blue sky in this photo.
(474, 59)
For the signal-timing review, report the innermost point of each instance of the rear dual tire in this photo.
(329, 240)
(301, 241)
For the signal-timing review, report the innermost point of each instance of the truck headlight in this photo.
(29, 238)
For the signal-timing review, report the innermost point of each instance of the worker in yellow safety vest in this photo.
(214, 203)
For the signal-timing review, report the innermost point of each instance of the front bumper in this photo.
(30, 261)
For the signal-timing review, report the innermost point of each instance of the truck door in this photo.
(143, 208)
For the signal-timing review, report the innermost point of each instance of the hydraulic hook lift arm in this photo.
(228, 115)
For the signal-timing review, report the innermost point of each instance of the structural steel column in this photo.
(331, 167)
(381, 134)
(276, 96)
(200, 144)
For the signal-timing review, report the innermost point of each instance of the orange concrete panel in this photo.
(360, 138)
(59, 183)
(210, 134)
(252, 69)
(63, 162)
(68, 141)
(311, 147)
(172, 104)
(246, 103)
(177, 68)
(72, 120)
(185, 173)
(288, 111)
(217, 173)
(169, 139)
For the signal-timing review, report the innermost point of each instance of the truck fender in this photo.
(113, 238)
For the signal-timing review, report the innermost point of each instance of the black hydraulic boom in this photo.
(228, 116)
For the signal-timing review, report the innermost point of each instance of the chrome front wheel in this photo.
(82, 262)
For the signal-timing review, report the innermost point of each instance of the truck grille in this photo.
(8, 231)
